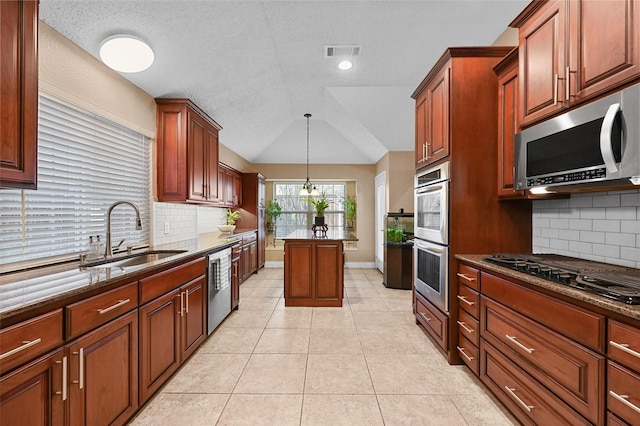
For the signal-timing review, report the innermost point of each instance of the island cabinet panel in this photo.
(32, 395)
(103, 374)
(19, 88)
(314, 272)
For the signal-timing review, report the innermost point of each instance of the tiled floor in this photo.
(366, 363)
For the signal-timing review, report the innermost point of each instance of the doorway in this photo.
(380, 210)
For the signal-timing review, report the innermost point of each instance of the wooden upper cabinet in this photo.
(229, 186)
(19, 89)
(187, 153)
(574, 50)
(421, 131)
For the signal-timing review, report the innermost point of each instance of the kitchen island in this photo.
(314, 268)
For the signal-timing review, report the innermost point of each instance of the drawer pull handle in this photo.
(116, 306)
(623, 399)
(514, 339)
(461, 350)
(64, 378)
(512, 392)
(467, 329)
(426, 318)
(464, 299)
(26, 345)
(624, 347)
(465, 277)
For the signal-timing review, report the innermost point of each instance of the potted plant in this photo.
(320, 204)
(349, 211)
(231, 218)
(272, 211)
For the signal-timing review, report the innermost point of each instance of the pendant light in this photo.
(308, 189)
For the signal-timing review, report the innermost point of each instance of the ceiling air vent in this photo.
(342, 50)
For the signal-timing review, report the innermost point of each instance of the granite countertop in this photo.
(632, 311)
(27, 289)
(331, 234)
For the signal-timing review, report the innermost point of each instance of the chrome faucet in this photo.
(108, 254)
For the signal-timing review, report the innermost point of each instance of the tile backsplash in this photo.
(597, 226)
(183, 222)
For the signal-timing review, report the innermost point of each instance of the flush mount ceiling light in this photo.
(126, 53)
(345, 65)
(346, 53)
(308, 189)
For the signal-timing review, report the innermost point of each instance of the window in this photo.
(85, 164)
(297, 213)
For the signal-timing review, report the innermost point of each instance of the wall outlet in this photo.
(166, 228)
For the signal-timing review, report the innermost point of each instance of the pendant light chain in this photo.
(308, 182)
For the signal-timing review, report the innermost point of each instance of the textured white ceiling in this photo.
(257, 66)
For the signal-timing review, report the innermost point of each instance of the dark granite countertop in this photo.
(25, 290)
(331, 234)
(632, 311)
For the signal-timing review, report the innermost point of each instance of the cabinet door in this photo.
(328, 272)
(298, 270)
(237, 190)
(211, 165)
(193, 315)
(159, 342)
(33, 395)
(235, 284)
(19, 88)
(600, 60)
(262, 238)
(437, 112)
(103, 374)
(253, 257)
(221, 184)
(542, 62)
(197, 153)
(421, 131)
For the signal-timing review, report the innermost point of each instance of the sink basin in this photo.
(135, 259)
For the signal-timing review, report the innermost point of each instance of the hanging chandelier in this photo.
(307, 188)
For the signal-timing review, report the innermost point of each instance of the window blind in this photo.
(85, 164)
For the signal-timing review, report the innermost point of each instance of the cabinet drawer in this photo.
(158, 284)
(614, 421)
(249, 239)
(236, 251)
(576, 323)
(623, 397)
(572, 371)
(469, 301)
(469, 327)
(469, 276)
(24, 341)
(432, 320)
(469, 354)
(624, 344)
(90, 313)
(527, 399)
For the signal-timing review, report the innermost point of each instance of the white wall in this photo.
(597, 226)
(185, 221)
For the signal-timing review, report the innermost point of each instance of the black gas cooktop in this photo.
(610, 281)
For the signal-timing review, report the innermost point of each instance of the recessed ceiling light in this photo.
(345, 65)
(126, 53)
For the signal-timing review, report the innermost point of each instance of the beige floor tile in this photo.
(183, 409)
(283, 341)
(355, 274)
(386, 341)
(348, 410)
(393, 293)
(208, 373)
(249, 284)
(379, 319)
(409, 410)
(334, 341)
(273, 373)
(296, 318)
(361, 292)
(267, 292)
(337, 374)
(271, 283)
(247, 319)
(348, 283)
(332, 318)
(258, 303)
(228, 340)
(271, 274)
(458, 379)
(480, 409)
(397, 305)
(246, 291)
(262, 409)
(406, 374)
(367, 304)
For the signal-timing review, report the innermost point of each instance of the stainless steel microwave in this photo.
(595, 145)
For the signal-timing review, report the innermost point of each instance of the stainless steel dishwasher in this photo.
(219, 288)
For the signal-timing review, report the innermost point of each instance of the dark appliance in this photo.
(611, 281)
(597, 144)
(398, 250)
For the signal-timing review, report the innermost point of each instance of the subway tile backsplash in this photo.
(178, 224)
(597, 226)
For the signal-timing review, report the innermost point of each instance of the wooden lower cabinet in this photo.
(236, 253)
(32, 395)
(103, 374)
(171, 329)
(624, 393)
(434, 322)
(249, 257)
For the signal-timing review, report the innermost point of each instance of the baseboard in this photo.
(274, 264)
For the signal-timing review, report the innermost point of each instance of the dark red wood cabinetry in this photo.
(229, 186)
(236, 254)
(253, 205)
(19, 88)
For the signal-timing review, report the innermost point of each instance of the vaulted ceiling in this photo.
(257, 67)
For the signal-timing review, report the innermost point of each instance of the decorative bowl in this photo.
(226, 228)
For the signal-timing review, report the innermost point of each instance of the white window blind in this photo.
(85, 164)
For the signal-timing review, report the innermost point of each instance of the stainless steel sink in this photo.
(135, 259)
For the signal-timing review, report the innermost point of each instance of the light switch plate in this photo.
(166, 228)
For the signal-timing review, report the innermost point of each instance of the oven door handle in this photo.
(427, 248)
(427, 189)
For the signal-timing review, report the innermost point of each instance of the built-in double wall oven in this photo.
(431, 232)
